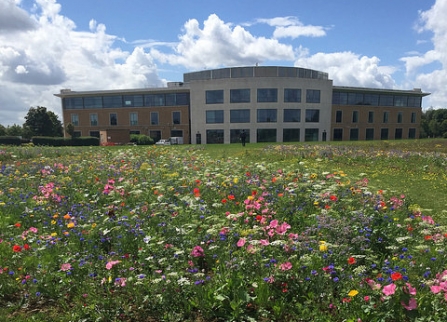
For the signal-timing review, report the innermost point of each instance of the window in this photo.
(310, 135)
(235, 135)
(399, 117)
(355, 99)
(93, 102)
(312, 116)
(155, 135)
(400, 100)
(213, 117)
(214, 97)
(292, 115)
(386, 100)
(398, 134)
(370, 117)
(113, 101)
(369, 134)
(182, 99)
(240, 95)
(93, 119)
(266, 115)
(354, 134)
(133, 117)
(133, 100)
(240, 116)
(339, 98)
(414, 101)
(266, 135)
(154, 118)
(71, 103)
(411, 133)
(338, 116)
(171, 99)
(154, 100)
(338, 135)
(177, 133)
(75, 119)
(355, 116)
(113, 119)
(291, 135)
(385, 117)
(292, 95)
(176, 117)
(313, 96)
(267, 95)
(94, 134)
(384, 134)
(214, 136)
(413, 117)
(371, 99)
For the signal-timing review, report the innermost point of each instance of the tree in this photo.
(40, 122)
(2, 130)
(14, 130)
(70, 129)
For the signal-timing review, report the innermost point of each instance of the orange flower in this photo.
(67, 217)
(18, 225)
(427, 237)
(231, 197)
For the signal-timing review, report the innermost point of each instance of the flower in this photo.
(353, 293)
(65, 267)
(396, 276)
(351, 260)
(323, 246)
(412, 304)
(286, 266)
(16, 249)
(197, 251)
(110, 264)
(241, 242)
(389, 289)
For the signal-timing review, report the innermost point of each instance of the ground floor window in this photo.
(411, 133)
(398, 134)
(266, 135)
(354, 134)
(311, 135)
(236, 138)
(369, 134)
(177, 133)
(384, 134)
(291, 135)
(155, 135)
(214, 136)
(338, 135)
(94, 134)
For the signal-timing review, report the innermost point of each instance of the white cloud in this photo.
(293, 28)
(13, 18)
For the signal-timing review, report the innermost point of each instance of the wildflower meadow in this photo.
(174, 234)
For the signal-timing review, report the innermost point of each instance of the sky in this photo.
(49, 45)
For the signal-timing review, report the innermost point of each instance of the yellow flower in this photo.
(70, 225)
(323, 246)
(353, 293)
(53, 222)
(235, 180)
(53, 234)
(94, 225)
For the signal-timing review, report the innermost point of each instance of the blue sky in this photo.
(48, 45)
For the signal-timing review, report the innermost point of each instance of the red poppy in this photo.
(427, 237)
(18, 225)
(224, 200)
(396, 276)
(351, 260)
(16, 249)
(26, 247)
(333, 198)
(231, 197)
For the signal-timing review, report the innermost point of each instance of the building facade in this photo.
(271, 104)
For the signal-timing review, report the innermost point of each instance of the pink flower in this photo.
(264, 242)
(281, 230)
(241, 242)
(410, 289)
(435, 289)
(389, 289)
(33, 230)
(110, 264)
(286, 266)
(197, 251)
(65, 267)
(120, 281)
(412, 304)
(273, 223)
(428, 220)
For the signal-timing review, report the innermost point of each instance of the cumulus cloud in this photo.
(222, 44)
(13, 18)
(293, 28)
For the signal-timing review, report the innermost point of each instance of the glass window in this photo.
(313, 96)
(154, 100)
(133, 117)
(214, 97)
(176, 117)
(133, 100)
(154, 118)
(214, 136)
(355, 99)
(292, 115)
(266, 135)
(355, 116)
(240, 95)
(371, 99)
(177, 133)
(73, 103)
(95, 134)
(291, 135)
(338, 116)
(312, 116)
(266, 115)
(371, 117)
(182, 99)
(267, 95)
(398, 134)
(113, 119)
(93, 102)
(412, 133)
(113, 101)
(94, 119)
(155, 135)
(338, 135)
(310, 135)
(400, 100)
(414, 101)
(384, 134)
(75, 119)
(386, 100)
(413, 117)
(171, 99)
(240, 116)
(354, 134)
(399, 117)
(213, 117)
(292, 95)
(369, 134)
(385, 117)
(235, 135)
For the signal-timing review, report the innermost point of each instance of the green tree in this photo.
(70, 129)
(14, 130)
(2, 130)
(40, 122)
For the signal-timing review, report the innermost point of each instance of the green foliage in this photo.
(40, 122)
(10, 140)
(434, 123)
(70, 129)
(141, 139)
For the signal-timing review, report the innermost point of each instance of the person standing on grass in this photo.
(243, 136)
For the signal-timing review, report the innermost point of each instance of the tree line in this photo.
(434, 123)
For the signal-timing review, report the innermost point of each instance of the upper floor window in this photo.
(355, 116)
(312, 115)
(214, 97)
(133, 118)
(292, 95)
(93, 102)
(292, 115)
(154, 100)
(176, 117)
(240, 95)
(385, 117)
(154, 118)
(267, 95)
(113, 119)
(338, 116)
(70, 103)
(75, 119)
(266, 115)
(213, 117)
(133, 100)
(313, 96)
(94, 119)
(240, 116)
(386, 100)
(113, 101)
(413, 117)
(371, 117)
(399, 117)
